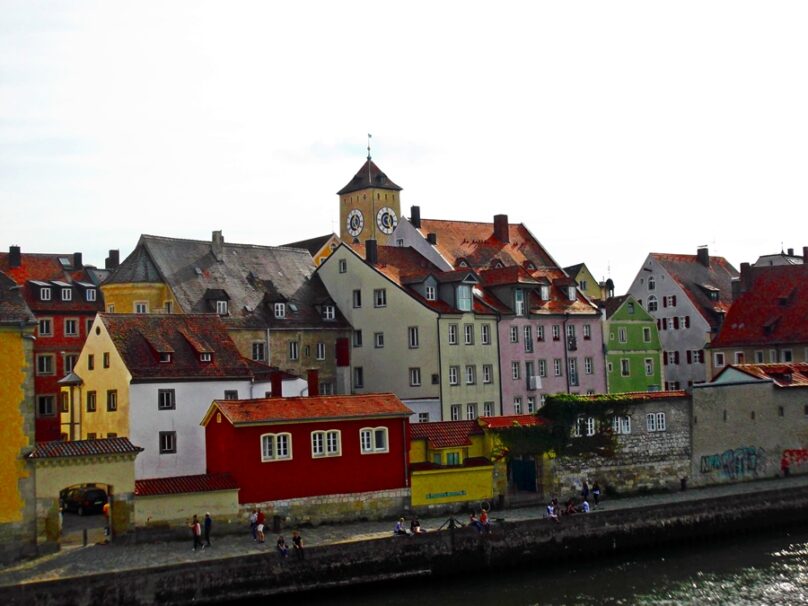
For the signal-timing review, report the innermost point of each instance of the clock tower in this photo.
(369, 206)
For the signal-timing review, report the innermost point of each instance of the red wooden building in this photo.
(283, 448)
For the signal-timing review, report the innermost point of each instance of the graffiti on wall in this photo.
(794, 457)
(743, 462)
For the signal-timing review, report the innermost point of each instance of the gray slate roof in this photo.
(13, 308)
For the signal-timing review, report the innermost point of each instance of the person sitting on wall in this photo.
(473, 521)
(415, 526)
(585, 506)
(283, 548)
(552, 512)
(570, 507)
(399, 529)
(485, 523)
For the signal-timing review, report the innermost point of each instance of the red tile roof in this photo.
(185, 484)
(510, 421)
(793, 374)
(83, 448)
(774, 311)
(140, 337)
(282, 410)
(445, 434)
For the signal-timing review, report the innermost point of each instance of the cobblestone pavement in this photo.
(74, 561)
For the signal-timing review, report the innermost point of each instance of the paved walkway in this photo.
(76, 561)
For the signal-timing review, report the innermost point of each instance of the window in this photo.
(655, 421)
(468, 334)
(378, 340)
(357, 338)
(582, 284)
(45, 294)
(622, 336)
(415, 377)
(589, 365)
(452, 334)
(259, 352)
(423, 417)
(649, 367)
(718, 359)
(276, 447)
(45, 327)
(557, 367)
(326, 443)
(517, 405)
(514, 334)
(573, 371)
(454, 378)
(90, 361)
(168, 442)
(471, 411)
(587, 332)
(112, 400)
(373, 440)
(320, 351)
(464, 297)
(542, 368)
(488, 409)
(651, 283)
(91, 401)
(329, 312)
(231, 394)
(105, 359)
(653, 305)
(221, 308)
(621, 424)
(46, 406)
(141, 307)
(488, 373)
(527, 331)
(519, 302)
(358, 377)
(343, 266)
(540, 332)
(516, 370)
(739, 357)
(165, 357)
(380, 297)
(571, 293)
(90, 295)
(326, 388)
(166, 399)
(454, 412)
(759, 357)
(544, 291)
(630, 307)
(294, 350)
(646, 334)
(45, 365)
(67, 294)
(625, 370)
(430, 293)
(556, 332)
(590, 426)
(471, 375)
(452, 458)
(88, 325)
(412, 337)
(70, 362)
(357, 298)
(531, 404)
(280, 310)
(485, 334)
(787, 356)
(669, 301)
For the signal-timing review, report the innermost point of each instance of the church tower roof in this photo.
(369, 176)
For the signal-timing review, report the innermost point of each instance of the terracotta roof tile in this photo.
(510, 421)
(793, 374)
(185, 484)
(83, 448)
(282, 410)
(445, 434)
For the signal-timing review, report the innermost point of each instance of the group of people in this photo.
(482, 523)
(401, 528)
(555, 510)
(197, 528)
(297, 545)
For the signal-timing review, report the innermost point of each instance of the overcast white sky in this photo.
(611, 129)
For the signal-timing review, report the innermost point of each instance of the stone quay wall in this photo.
(433, 554)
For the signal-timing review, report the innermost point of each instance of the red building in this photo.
(283, 448)
(64, 296)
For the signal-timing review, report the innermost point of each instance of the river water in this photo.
(764, 569)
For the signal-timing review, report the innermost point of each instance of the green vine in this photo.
(558, 418)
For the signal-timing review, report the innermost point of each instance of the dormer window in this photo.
(165, 357)
(329, 312)
(519, 302)
(221, 308)
(544, 291)
(280, 310)
(431, 293)
(67, 294)
(90, 294)
(45, 294)
(571, 294)
(464, 297)
(205, 357)
(530, 266)
(462, 263)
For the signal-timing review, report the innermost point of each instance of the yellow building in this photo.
(449, 464)
(369, 206)
(17, 491)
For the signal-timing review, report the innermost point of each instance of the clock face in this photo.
(386, 220)
(355, 222)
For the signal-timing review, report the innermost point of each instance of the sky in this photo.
(610, 129)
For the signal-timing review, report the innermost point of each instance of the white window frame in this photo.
(558, 367)
(556, 329)
(540, 332)
(621, 424)
(222, 307)
(519, 302)
(589, 365)
(649, 367)
(167, 442)
(294, 350)
(48, 323)
(527, 335)
(280, 310)
(514, 334)
(485, 334)
(329, 312)
(166, 399)
(342, 266)
(358, 377)
(471, 374)
(471, 411)
(45, 364)
(653, 303)
(468, 334)
(357, 298)
(369, 438)
(90, 294)
(488, 409)
(718, 359)
(67, 294)
(625, 367)
(415, 377)
(517, 405)
(454, 412)
(516, 370)
(326, 443)
(622, 335)
(488, 373)
(276, 447)
(45, 293)
(412, 337)
(380, 297)
(464, 297)
(140, 307)
(378, 340)
(452, 334)
(655, 422)
(542, 367)
(259, 351)
(431, 293)
(454, 375)
(646, 334)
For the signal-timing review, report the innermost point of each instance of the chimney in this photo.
(415, 216)
(313, 378)
(703, 255)
(432, 238)
(371, 252)
(113, 260)
(736, 288)
(217, 245)
(77, 261)
(501, 228)
(790, 252)
(746, 279)
(805, 255)
(276, 384)
(14, 256)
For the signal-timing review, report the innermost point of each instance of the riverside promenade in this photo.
(124, 557)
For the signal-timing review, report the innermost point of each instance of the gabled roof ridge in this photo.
(225, 244)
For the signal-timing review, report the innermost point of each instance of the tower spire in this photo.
(369, 136)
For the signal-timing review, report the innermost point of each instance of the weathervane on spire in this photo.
(369, 136)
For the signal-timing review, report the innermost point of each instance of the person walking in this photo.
(260, 519)
(585, 491)
(254, 524)
(208, 526)
(196, 530)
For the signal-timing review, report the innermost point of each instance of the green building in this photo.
(633, 350)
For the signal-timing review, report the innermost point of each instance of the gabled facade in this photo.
(319, 248)
(151, 378)
(64, 296)
(276, 310)
(768, 320)
(537, 301)
(295, 448)
(688, 296)
(633, 352)
(588, 285)
(422, 333)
